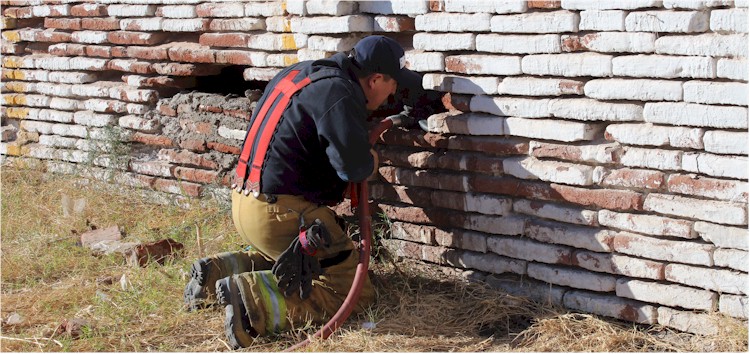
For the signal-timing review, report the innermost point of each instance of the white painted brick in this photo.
(342, 24)
(734, 93)
(597, 152)
(482, 203)
(131, 10)
(54, 116)
(726, 142)
(681, 251)
(390, 7)
(185, 25)
(331, 7)
(29, 75)
(178, 11)
(483, 64)
(634, 89)
(709, 44)
(551, 129)
(452, 22)
(309, 54)
(518, 44)
(533, 86)
(237, 24)
(707, 210)
(271, 8)
(332, 44)
(466, 123)
(510, 106)
(460, 84)
(527, 250)
(735, 69)
(88, 64)
(139, 123)
(698, 115)
(590, 238)
(602, 20)
(152, 168)
(720, 280)
(491, 263)
(734, 305)
(260, 74)
(134, 108)
(667, 294)
(716, 165)
(392, 24)
(735, 259)
(729, 20)
(574, 278)
(536, 22)
(608, 5)
(63, 104)
(549, 171)
(31, 100)
(696, 4)
(98, 89)
(502, 225)
(610, 305)
(619, 264)
(278, 42)
(667, 21)
(47, 10)
(569, 65)
(664, 66)
(589, 109)
(612, 42)
(647, 224)
(723, 236)
(72, 77)
(141, 24)
(444, 41)
(686, 321)
(282, 59)
(649, 134)
(52, 63)
(92, 119)
(713, 188)
(129, 94)
(424, 61)
(89, 37)
(98, 105)
(555, 212)
(58, 141)
(489, 6)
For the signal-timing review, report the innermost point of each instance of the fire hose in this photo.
(365, 229)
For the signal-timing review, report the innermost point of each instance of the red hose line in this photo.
(365, 230)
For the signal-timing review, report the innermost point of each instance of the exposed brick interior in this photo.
(595, 155)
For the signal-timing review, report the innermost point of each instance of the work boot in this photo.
(237, 326)
(200, 291)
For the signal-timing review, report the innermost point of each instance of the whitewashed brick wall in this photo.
(598, 149)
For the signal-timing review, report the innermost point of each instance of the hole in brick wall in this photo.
(228, 81)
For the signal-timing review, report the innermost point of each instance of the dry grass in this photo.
(47, 277)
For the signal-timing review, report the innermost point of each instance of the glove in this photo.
(403, 118)
(297, 266)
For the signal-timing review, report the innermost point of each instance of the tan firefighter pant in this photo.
(270, 228)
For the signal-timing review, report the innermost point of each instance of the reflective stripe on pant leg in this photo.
(275, 304)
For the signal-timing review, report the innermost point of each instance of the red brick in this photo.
(166, 110)
(456, 102)
(193, 145)
(159, 251)
(188, 158)
(208, 108)
(191, 55)
(197, 127)
(196, 175)
(543, 4)
(603, 198)
(133, 66)
(180, 69)
(67, 49)
(101, 51)
(149, 53)
(217, 10)
(63, 23)
(633, 178)
(151, 139)
(574, 44)
(164, 81)
(227, 149)
(88, 10)
(175, 187)
(119, 52)
(52, 36)
(38, 48)
(235, 57)
(498, 146)
(436, 6)
(238, 113)
(136, 38)
(100, 24)
(224, 39)
(708, 187)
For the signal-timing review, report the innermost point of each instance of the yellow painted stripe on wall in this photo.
(287, 42)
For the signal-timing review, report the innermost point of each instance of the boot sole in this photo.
(195, 297)
(236, 325)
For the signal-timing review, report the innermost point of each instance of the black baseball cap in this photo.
(384, 55)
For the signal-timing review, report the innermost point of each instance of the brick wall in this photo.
(595, 155)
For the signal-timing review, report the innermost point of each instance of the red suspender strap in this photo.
(262, 128)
